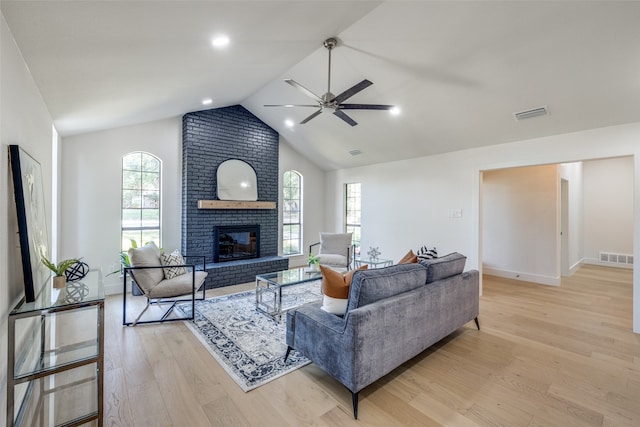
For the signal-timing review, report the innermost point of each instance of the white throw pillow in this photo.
(334, 305)
(172, 259)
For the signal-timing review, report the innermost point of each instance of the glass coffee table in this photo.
(269, 289)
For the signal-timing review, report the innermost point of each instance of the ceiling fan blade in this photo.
(344, 117)
(303, 89)
(366, 107)
(352, 91)
(317, 113)
(290, 105)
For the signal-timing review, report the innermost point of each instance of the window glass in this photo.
(353, 213)
(140, 215)
(291, 213)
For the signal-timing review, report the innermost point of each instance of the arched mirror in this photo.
(236, 181)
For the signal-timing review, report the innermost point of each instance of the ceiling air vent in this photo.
(355, 152)
(527, 114)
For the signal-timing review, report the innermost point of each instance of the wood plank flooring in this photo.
(545, 356)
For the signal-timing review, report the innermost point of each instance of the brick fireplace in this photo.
(209, 138)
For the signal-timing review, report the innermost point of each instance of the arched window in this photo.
(140, 220)
(292, 213)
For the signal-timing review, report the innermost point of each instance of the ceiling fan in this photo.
(329, 100)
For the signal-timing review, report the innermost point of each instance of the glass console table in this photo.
(56, 356)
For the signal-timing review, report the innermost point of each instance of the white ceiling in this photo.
(457, 70)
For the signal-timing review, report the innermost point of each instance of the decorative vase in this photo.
(59, 281)
(313, 267)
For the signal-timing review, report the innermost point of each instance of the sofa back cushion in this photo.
(335, 243)
(443, 267)
(146, 256)
(369, 286)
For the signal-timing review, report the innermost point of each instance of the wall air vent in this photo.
(355, 152)
(613, 258)
(528, 114)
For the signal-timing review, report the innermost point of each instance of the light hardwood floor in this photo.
(545, 356)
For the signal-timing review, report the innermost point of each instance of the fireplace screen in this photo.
(236, 242)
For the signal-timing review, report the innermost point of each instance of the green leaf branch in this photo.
(61, 267)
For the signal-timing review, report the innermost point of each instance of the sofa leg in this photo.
(289, 348)
(477, 323)
(354, 401)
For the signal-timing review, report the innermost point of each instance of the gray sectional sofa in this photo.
(393, 314)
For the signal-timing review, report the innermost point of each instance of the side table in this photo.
(372, 263)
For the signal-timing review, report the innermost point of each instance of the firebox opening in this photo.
(236, 242)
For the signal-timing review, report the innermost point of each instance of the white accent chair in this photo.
(335, 249)
(148, 273)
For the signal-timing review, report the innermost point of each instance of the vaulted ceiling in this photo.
(457, 70)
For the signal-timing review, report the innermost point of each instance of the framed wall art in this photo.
(32, 221)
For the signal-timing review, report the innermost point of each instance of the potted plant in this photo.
(59, 280)
(314, 262)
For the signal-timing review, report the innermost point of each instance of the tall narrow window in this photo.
(291, 213)
(353, 211)
(140, 199)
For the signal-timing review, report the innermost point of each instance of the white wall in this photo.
(406, 203)
(313, 198)
(91, 189)
(572, 173)
(608, 207)
(24, 120)
(520, 223)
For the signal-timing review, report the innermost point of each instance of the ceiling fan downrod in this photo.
(329, 43)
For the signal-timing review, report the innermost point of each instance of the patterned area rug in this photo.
(248, 344)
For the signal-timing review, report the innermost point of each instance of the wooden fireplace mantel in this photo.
(231, 204)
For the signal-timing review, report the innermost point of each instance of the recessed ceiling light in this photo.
(207, 101)
(220, 41)
(394, 111)
(289, 123)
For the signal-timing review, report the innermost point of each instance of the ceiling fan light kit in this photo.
(329, 100)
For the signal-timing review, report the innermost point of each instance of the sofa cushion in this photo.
(372, 285)
(409, 258)
(179, 285)
(332, 259)
(335, 288)
(443, 267)
(146, 256)
(172, 261)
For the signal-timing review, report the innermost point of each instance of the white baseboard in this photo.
(528, 277)
(576, 266)
(594, 261)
